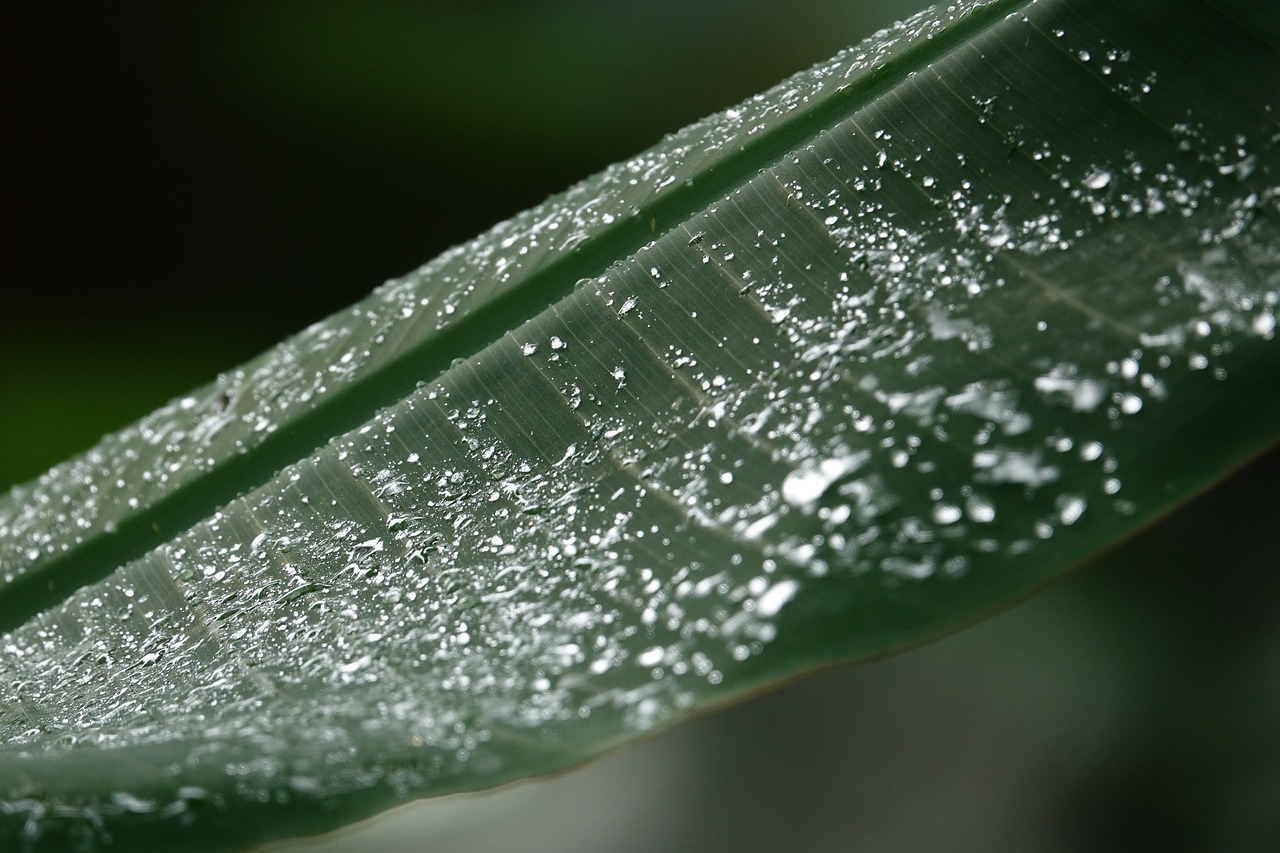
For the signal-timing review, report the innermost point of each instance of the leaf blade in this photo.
(817, 344)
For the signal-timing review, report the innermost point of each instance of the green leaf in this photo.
(826, 374)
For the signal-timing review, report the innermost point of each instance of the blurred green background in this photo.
(183, 184)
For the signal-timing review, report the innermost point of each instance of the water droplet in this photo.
(914, 569)
(1098, 179)
(994, 402)
(1090, 451)
(804, 486)
(355, 665)
(1130, 404)
(1061, 386)
(1003, 465)
(1070, 508)
(945, 513)
(980, 509)
(775, 597)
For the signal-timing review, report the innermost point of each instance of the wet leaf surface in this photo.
(826, 374)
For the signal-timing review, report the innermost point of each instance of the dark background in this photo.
(183, 184)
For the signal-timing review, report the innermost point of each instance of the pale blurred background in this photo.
(181, 185)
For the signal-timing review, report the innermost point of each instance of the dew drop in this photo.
(1002, 465)
(804, 486)
(980, 509)
(1061, 386)
(1070, 508)
(915, 569)
(776, 596)
(1098, 179)
(945, 513)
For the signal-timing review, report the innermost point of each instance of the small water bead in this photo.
(994, 402)
(903, 567)
(1098, 179)
(1062, 386)
(980, 509)
(775, 597)
(804, 486)
(1130, 404)
(1070, 508)
(945, 513)
(651, 656)
(1004, 465)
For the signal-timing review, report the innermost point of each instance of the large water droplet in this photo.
(804, 486)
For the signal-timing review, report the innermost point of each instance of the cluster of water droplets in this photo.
(867, 361)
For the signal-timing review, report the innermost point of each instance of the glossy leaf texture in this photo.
(855, 362)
